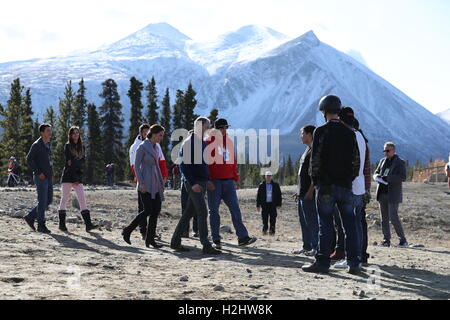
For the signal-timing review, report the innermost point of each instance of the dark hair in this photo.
(154, 129)
(75, 148)
(143, 127)
(308, 129)
(43, 126)
(203, 120)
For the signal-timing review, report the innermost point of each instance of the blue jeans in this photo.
(226, 191)
(327, 198)
(358, 202)
(309, 223)
(45, 197)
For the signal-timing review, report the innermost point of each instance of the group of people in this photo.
(214, 180)
(334, 188)
(334, 181)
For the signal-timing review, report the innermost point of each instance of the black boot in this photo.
(150, 237)
(126, 233)
(62, 220)
(86, 214)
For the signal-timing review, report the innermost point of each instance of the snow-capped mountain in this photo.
(255, 76)
(445, 115)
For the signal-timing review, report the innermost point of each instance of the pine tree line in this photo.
(101, 127)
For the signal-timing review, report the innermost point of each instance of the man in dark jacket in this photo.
(268, 200)
(39, 158)
(390, 173)
(334, 165)
(195, 171)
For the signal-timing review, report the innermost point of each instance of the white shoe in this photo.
(341, 264)
(311, 253)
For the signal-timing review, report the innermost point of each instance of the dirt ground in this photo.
(100, 265)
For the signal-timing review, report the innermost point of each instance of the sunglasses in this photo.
(386, 151)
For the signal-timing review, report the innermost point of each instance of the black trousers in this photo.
(143, 223)
(151, 209)
(364, 255)
(269, 210)
(184, 199)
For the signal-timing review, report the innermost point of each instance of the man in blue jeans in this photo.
(307, 212)
(223, 174)
(334, 165)
(39, 158)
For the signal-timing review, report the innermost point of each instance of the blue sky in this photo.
(407, 42)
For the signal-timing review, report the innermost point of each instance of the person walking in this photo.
(390, 173)
(307, 211)
(223, 174)
(150, 186)
(72, 178)
(39, 159)
(447, 171)
(195, 170)
(334, 165)
(268, 201)
(143, 132)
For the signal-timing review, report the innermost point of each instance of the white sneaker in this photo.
(341, 264)
(311, 253)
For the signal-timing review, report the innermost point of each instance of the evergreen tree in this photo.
(63, 125)
(50, 118)
(11, 122)
(36, 133)
(94, 154)
(152, 104)
(79, 106)
(188, 107)
(213, 115)
(26, 131)
(111, 119)
(135, 95)
(165, 122)
(177, 121)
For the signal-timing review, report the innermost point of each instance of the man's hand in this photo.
(309, 195)
(41, 176)
(295, 197)
(210, 186)
(142, 188)
(196, 188)
(236, 186)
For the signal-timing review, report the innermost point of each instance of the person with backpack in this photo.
(72, 178)
(268, 201)
(334, 165)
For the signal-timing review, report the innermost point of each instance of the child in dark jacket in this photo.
(268, 200)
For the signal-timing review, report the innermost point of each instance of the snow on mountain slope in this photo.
(247, 43)
(255, 76)
(445, 115)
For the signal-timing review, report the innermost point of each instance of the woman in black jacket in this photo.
(72, 179)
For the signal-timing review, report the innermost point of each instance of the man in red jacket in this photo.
(224, 175)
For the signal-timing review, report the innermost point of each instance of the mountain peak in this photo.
(309, 36)
(163, 30)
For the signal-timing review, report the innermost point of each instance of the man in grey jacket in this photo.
(390, 173)
(39, 158)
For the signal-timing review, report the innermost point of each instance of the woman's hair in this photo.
(75, 149)
(155, 129)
